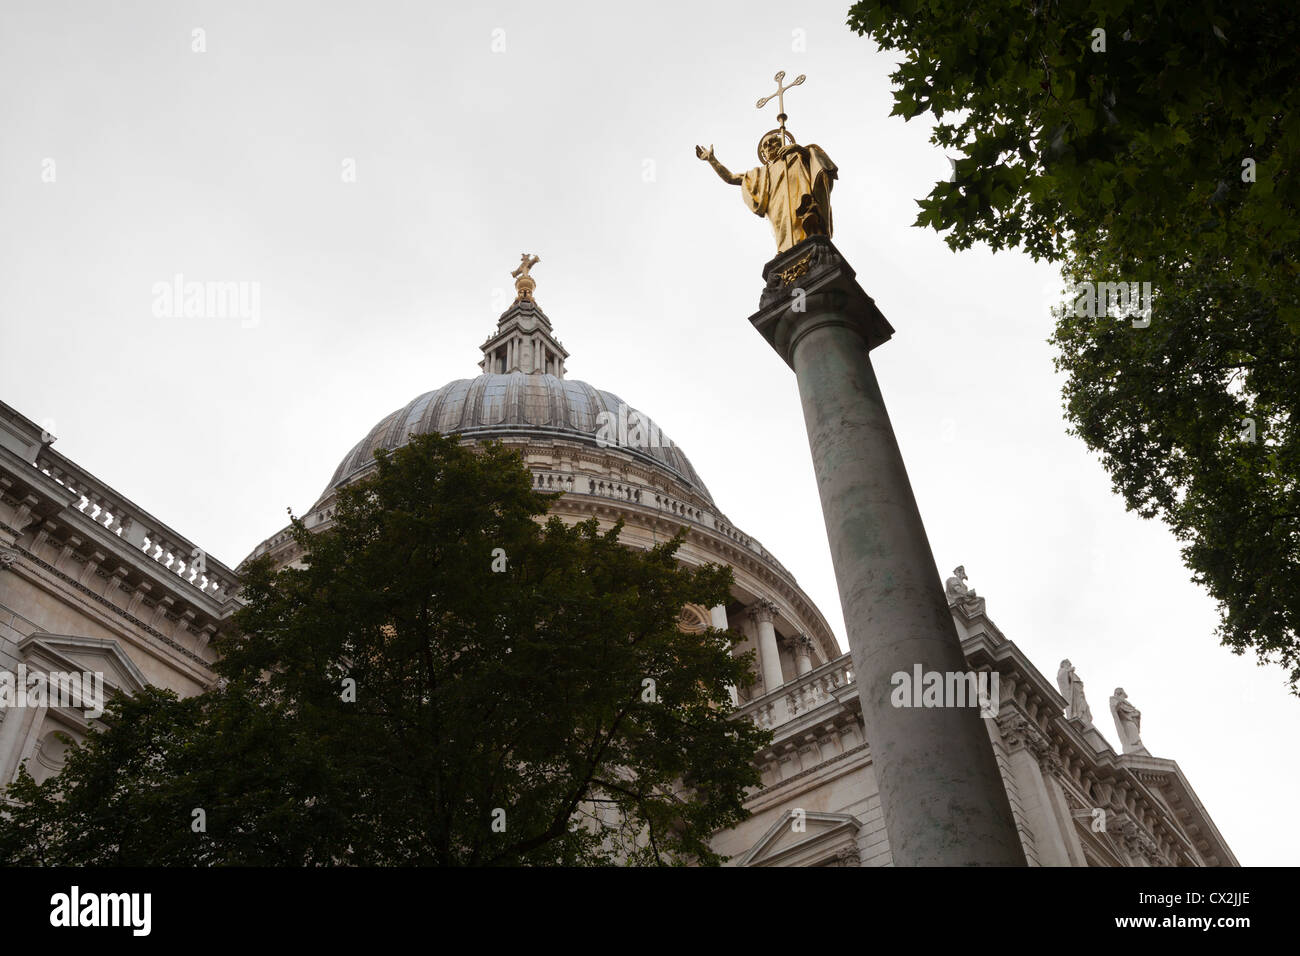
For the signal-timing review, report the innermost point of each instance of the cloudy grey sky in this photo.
(565, 129)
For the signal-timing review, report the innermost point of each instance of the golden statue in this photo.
(524, 283)
(792, 187)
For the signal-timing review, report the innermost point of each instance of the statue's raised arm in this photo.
(726, 175)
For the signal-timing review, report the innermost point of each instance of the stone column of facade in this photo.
(18, 736)
(769, 655)
(718, 619)
(940, 790)
(33, 737)
(801, 648)
(11, 719)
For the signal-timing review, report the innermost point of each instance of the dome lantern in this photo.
(524, 341)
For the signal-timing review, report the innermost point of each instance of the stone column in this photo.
(801, 648)
(718, 619)
(940, 791)
(769, 656)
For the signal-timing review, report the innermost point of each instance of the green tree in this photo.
(448, 679)
(1140, 141)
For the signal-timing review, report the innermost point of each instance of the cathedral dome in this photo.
(523, 395)
(607, 461)
(530, 406)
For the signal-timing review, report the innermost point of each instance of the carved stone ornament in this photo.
(1018, 731)
(1050, 762)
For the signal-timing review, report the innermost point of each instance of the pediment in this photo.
(823, 836)
(66, 652)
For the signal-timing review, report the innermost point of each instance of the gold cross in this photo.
(779, 96)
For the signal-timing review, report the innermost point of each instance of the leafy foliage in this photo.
(516, 696)
(1133, 140)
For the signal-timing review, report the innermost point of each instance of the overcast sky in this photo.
(565, 130)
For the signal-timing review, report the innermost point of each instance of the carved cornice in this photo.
(766, 789)
(100, 599)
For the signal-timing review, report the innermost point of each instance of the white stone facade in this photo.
(1075, 800)
(90, 582)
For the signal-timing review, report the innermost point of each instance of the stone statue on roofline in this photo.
(956, 588)
(960, 594)
(1128, 723)
(1071, 685)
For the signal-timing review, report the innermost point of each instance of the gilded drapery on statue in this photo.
(792, 189)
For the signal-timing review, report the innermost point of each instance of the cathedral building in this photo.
(93, 584)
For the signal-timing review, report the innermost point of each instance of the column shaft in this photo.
(769, 655)
(718, 619)
(941, 794)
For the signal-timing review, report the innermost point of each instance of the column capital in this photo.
(763, 611)
(799, 644)
(814, 269)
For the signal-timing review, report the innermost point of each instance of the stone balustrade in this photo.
(647, 496)
(801, 695)
(116, 517)
(819, 685)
